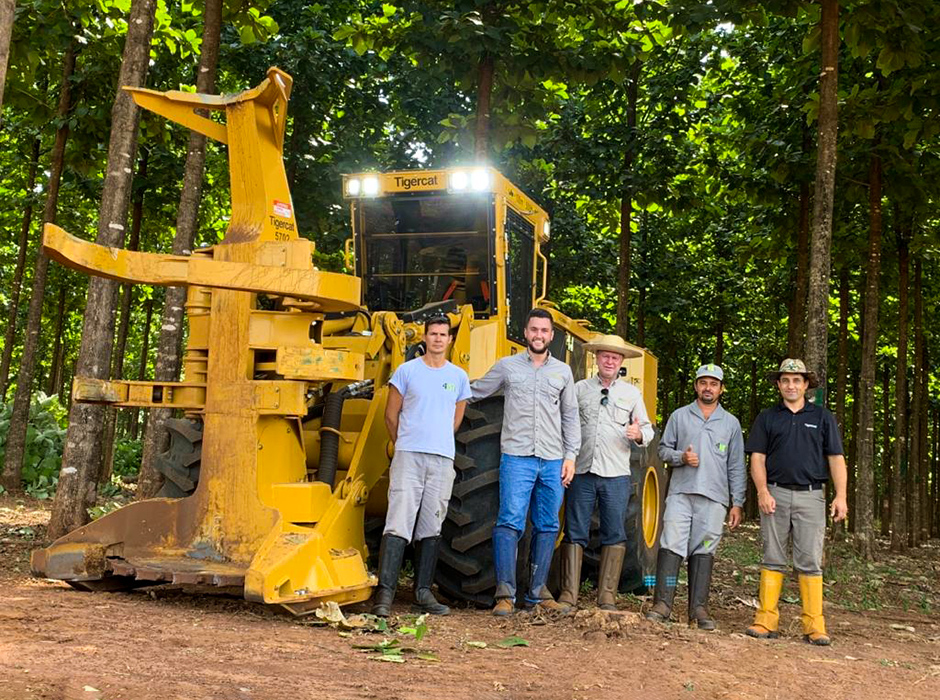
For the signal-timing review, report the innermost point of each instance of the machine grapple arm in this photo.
(258, 517)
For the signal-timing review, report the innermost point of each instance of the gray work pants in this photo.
(418, 492)
(800, 517)
(692, 524)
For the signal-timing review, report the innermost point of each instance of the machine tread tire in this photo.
(180, 463)
(465, 568)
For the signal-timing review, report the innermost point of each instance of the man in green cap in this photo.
(703, 445)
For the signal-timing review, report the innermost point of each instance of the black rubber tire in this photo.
(639, 564)
(465, 566)
(180, 463)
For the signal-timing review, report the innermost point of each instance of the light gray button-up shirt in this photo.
(605, 448)
(719, 444)
(540, 417)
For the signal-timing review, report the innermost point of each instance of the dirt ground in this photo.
(168, 642)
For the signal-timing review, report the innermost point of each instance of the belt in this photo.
(819, 486)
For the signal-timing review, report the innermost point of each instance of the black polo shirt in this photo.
(796, 444)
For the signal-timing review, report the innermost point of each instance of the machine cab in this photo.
(466, 235)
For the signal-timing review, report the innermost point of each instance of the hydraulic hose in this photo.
(329, 436)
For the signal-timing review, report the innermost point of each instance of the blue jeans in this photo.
(526, 484)
(529, 484)
(611, 494)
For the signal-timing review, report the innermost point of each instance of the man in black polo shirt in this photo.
(795, 448)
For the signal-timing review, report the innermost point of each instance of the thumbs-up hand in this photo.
(634, 433)
(689, 457)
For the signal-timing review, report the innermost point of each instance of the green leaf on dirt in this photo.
(477, 645)
(792, 600)
(427, 656)
(512, 642)
(418, 630)
(393, 659)
(381, 646)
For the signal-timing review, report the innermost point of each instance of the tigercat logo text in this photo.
(407, 183)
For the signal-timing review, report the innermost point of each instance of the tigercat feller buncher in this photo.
(277, 475)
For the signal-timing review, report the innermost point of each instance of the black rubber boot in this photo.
(425, 564)
(667, 573)
(700, 579)
(391, 552)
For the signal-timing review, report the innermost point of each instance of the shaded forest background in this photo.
(721, 189)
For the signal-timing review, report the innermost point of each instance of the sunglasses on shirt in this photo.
(605, 399)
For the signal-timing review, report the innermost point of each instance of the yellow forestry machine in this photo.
(276, 475)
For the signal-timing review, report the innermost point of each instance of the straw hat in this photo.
(613, 343)
(792, 366)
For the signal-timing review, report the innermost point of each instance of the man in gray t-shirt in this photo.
(426, 401)
(704, 446)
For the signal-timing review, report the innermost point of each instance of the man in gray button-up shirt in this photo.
(613, 422)
(704, 446)
(539, 442)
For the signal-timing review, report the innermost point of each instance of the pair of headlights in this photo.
(477, 180)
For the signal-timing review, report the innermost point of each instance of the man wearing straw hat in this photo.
(613, 422)
(704, 446)
(795, 449)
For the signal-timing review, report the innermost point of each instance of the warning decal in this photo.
(282, 209)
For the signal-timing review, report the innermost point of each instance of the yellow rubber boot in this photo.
(767, 617)
(814, 624)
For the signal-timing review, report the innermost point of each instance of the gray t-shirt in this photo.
(429, 399)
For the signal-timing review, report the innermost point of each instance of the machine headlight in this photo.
(353, 187)
(547, 229)
(370, 186)
(459, 180)
(480, 179)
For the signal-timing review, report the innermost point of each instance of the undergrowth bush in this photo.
(45, 439)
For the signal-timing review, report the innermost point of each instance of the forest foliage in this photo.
(694, 123)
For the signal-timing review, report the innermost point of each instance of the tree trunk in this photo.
(750, 503)
(925, 505)
(626, 204)
(720, 335)
(82, 455)
(142, 370)
(641, 305)
(842, 362)
(167, 364)
(16, 435)
(935, 527)
(887, 505)
(9, 335)
(865, 467)
(915, 470)
(7, 15)
(900, 473)
(851, 486)
(120, 343)
(55, 368)
(842, 369)
(796, 326)
(817, 310)
(481, 136)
